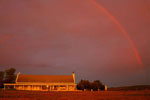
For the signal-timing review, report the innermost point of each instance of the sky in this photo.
(58, 37)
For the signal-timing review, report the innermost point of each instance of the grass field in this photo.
(77, 95)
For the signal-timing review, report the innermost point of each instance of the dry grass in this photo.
(77, 95)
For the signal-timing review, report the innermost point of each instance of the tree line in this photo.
(95, 85)
(7, 76)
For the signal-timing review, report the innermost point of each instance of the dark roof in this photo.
(46, 78)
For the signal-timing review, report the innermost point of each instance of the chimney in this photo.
(73, 75)
(17, 76)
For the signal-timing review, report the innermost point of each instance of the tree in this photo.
(10, 75)
(83, 84)
(95, 85)
(1, 79)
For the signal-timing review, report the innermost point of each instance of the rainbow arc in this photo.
(100, 7)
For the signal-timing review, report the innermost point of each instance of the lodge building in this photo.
(43, 82)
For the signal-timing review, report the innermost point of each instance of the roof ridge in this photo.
(44, 75)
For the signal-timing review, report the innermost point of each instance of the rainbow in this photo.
(100, 7)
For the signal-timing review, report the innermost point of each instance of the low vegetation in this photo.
(95, 85)
(7, 76)
(76, 95)
(127, 88)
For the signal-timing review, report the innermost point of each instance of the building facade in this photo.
(44, 82)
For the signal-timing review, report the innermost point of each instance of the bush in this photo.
(7, 76)
(1, 79)
(95, 85)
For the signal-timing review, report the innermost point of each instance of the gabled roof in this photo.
(45, 78)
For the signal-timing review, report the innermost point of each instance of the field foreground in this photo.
(76, 95)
